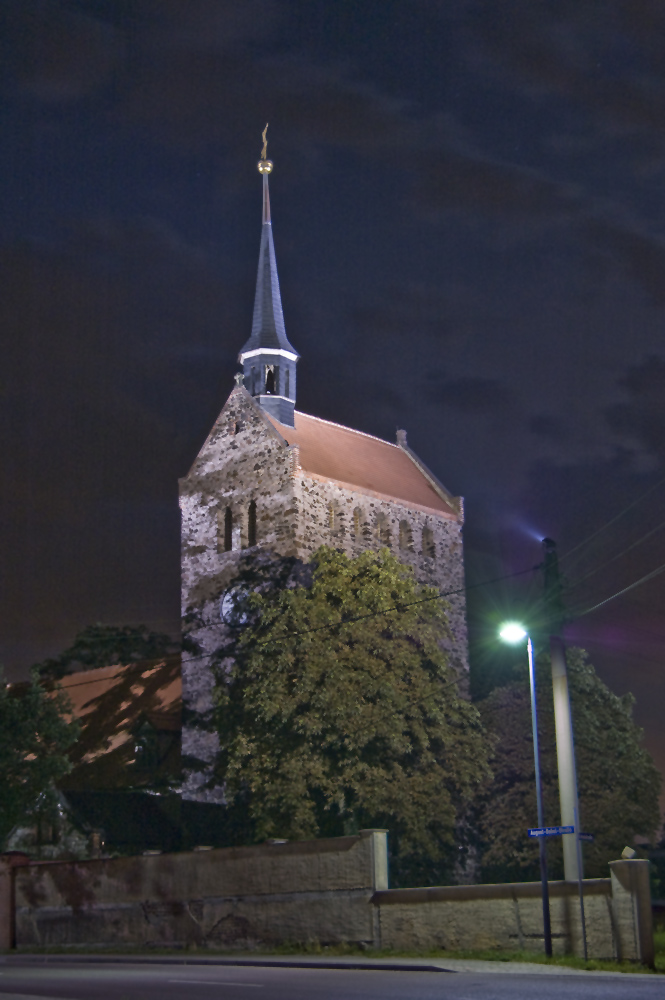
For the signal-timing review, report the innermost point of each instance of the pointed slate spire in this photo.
(268, 359)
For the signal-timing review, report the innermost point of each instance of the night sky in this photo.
(469, 215)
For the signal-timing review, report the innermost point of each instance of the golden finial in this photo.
(265, 165)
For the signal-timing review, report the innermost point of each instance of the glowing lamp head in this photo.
(265, 166)
(512, 632)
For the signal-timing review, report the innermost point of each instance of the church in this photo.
(269, 482)
(270, 478)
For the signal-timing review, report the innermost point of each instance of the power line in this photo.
(396, 607)
(620, 554)
(643, 631)
(631, 586)
(613, 520)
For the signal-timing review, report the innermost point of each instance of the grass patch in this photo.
(487, 955)
(659, 943)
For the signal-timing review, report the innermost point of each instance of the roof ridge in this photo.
(353, 430)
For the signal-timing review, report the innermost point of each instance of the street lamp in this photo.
(513, 632)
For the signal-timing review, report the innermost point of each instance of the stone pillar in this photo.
(7, 908)
(631, 910)
(379, 857)
(378, 845)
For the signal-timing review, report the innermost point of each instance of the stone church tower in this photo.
(272, 479)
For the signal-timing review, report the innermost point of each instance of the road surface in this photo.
(69, 980)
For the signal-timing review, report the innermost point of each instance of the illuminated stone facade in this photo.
(248, 493)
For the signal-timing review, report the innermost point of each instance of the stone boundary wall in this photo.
(509, 917)
(238, 896)
(331, 891)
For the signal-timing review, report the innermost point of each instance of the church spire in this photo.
(268, 359)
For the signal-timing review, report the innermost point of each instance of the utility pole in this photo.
(563, 722)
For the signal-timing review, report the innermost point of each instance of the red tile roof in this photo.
(110, 704)
(364, 462)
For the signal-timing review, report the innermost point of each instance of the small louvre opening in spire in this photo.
(270, 380)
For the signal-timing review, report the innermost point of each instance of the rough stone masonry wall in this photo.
(242, 461)
(329, 891)
(509, 917)
(319, 889)
(355, 521)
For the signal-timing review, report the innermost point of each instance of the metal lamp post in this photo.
(513, 633)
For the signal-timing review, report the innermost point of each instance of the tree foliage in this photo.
(618, 781)
(328, 725)
(35, 735)
(108, 645)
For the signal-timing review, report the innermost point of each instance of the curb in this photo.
(452, 966)
(275, 963)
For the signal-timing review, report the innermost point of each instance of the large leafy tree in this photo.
(35, 735)
(618, 781)
(106, 645)
(333, 715)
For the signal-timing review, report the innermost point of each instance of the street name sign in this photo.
(550, 831)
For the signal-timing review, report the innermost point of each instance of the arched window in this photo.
(270, 380)
(228, 530)
(357, 517)
(382, 529)
(331, 516)
(405, 537)
(429, 548)
(286, 383)
(251, 523)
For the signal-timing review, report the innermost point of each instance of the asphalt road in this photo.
(119, 981)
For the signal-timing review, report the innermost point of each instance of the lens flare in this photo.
(512, 632)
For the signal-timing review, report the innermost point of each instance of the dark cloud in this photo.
(409, 309)
(451, 179)
(546, 426)
(55, 52)
(99, 316)
(199, 96)
(640, 254)
(605, 55)
(207, 24)
(472, 395)
(642, 417)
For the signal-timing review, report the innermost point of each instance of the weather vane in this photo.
(265, 165)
